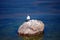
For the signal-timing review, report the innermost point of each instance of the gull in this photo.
(28, 17)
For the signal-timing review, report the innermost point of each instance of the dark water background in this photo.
(13, 13)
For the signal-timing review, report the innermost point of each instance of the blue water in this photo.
(9, 27)
(13, 13)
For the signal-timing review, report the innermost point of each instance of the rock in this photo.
(31, 28)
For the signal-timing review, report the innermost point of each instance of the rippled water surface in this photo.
(9, 27)
(13, 13)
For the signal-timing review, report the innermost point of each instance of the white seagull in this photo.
(28, 17)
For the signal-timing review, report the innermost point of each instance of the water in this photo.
(13, 13)
(9, 27)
